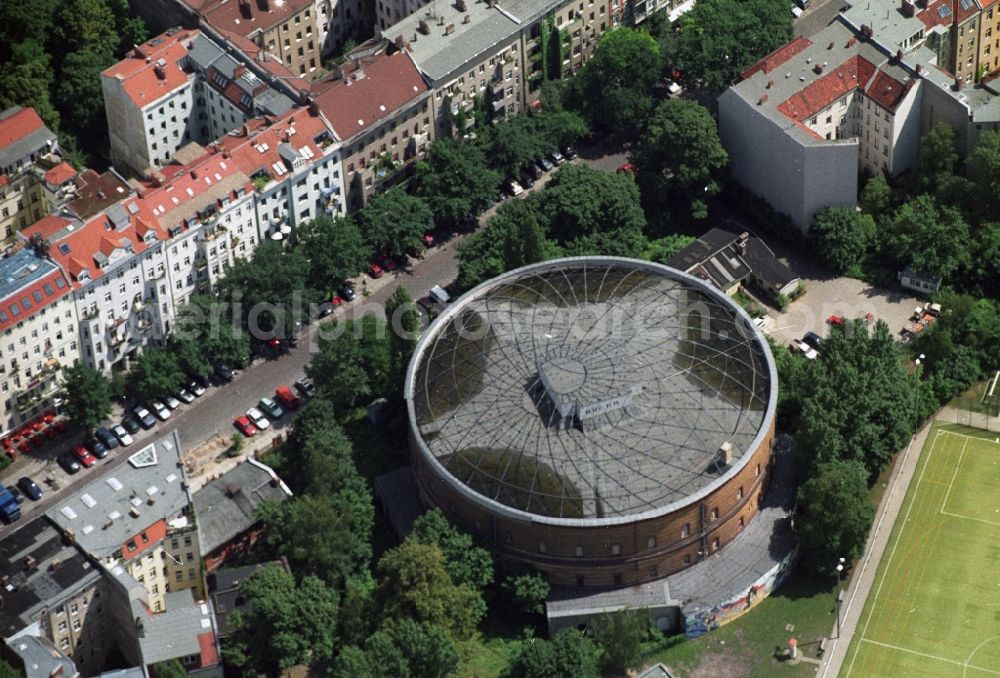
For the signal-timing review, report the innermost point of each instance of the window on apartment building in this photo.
(62, 626)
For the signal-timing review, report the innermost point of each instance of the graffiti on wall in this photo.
(699, 622)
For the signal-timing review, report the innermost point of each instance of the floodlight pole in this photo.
(840, 593)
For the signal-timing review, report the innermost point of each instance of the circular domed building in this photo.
(606, 420)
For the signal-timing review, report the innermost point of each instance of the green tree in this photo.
(87, 25)
(24, 20)
(559, 127)
(287, 624)
(833, 515)
(357, 608)
(465, 562)
(354, 362)
(620, 636)
(662, 249)
(415, 584)
(876, 196)
(614, 89)
(334, 249)
(455, 181)
(86, 395)
(525, 240)
(930, 237)
(169, 669)
(156, 373)
(843, 237)
(511, 144)
(592, 212)
(79, 91)
(413, 649)
(860, 403)
(26, 81)
(937, 156)
(352, 662)
(528, 591)
(569, 653)
(719, 39)
(395, 222)
(328, 536)
(404, 330)
(984, 167)
(130, 28)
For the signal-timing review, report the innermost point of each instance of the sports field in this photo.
(934, 609)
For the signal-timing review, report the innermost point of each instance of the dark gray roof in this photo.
(32, 142)
(41, 658)
(110, 511)
(203, 52)
(765, 266)
(173, 633)
(398, 493)
(273, 102)
(59, 571)
(726, 258)
(225, 507)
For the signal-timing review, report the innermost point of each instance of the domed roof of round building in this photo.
(595, 389)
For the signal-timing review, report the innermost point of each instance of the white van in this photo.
(439, 295)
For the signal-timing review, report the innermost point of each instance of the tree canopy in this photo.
(843, 237)
(930, 237)
(569, 653)
(156, 373)
(87, 395)
(833, 515)
(395, 222)
(466, 563)
(455, 181)
(334, 249)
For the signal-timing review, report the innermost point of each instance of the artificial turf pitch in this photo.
(934, 609)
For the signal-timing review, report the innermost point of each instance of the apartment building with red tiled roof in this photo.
(27, 149)
(380, 109)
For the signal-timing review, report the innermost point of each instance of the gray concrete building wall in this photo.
(797, 178)
(906, 130)
(938, 105)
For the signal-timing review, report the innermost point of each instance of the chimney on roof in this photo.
(232, 490)
(30, 564)
(461, 6)
(760, 102)
(818, 68)
(919, 68)
(137, 52)
(245, 11)
(852, 42)
(194, 174)
(830, 46)
(908, 9)
(958, 85)
(466, 19)
(160, 72)
(770, 84)
(441, 20)
(866, 32)
(449, 29)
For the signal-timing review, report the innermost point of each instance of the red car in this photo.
(429, 239)
(287, 398)
(835, 320)
(374, 270)
(387, 263)
(628, 167)
(84, 456)
(244, 425)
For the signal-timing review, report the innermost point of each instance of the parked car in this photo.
(244, 426)
(514, 188)
(196, 389)
(387, 263)
(347, 292)
(172, 402)
(673, 89)
(271, 408)
(569, 152)
(122, 435)
(428, 239)
(84, 456)
(556, 157)
(527, 180)
(29, 487)
(224, 372)
(532, 170)
(203, 381)
(258, 419)
(813, 339)
(287, 398)
(68, 463)
(16, 493)
(185, 396)
(306, 387)
(628, 167)
(107, 437)
(131, 424)
(97, 448)
(796, 11)
(544, 163)
(160, 410)
(374, 270)
(144, 417)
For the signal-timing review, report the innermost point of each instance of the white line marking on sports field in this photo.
(978, 520)
(954, 475)
(973, 654)
(965, 665)
(892, 554)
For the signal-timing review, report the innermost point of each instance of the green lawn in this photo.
(750, 645)
(935, 606)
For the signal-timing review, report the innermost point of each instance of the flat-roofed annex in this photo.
(591, 389)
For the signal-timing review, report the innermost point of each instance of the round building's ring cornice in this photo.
(565, 374)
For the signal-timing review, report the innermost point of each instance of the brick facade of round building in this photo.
(648, 436)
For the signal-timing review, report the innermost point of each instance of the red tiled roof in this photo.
(155, 533)
(852, 74)
(249, 152)
(886, 91)
(370, 94)
(49, 288)
(60, 174)
(247, 18)
(209, 653)
(75, 251)
(932, 16)
(143, 81)
(18, 125)
(188, 185)
(777, 57)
